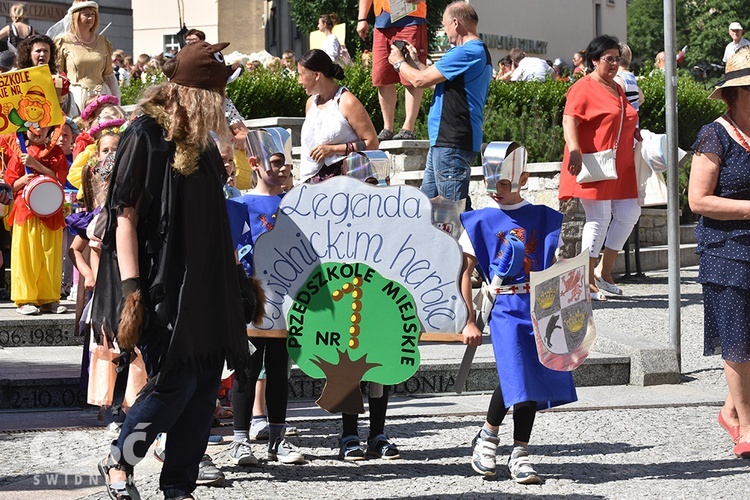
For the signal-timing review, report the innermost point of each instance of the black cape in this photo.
(188, 275)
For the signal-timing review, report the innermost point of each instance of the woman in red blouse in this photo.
(594, 108)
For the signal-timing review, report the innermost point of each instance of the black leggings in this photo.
(523, 415)
(277, 386)
(377, 408)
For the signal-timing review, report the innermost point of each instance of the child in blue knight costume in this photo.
(507, 240)
(269, 154)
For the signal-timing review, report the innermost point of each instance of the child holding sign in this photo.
(36, 248)
(508, 240)
(268, 155)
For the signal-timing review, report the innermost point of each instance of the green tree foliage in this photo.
(307, 12)
(646, 28)
(702, 25)
(707, 25)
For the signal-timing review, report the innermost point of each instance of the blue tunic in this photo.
(522, 377)
(258, 213)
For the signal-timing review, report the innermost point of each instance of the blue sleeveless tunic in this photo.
(522, 377)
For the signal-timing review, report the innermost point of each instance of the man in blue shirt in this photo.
(462, 80)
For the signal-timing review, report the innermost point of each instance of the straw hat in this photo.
(737, 73)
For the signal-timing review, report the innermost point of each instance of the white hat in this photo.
(736, 26)
(83, 5)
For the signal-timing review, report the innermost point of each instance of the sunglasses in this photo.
(611, 60)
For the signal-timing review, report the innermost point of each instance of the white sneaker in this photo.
(241, 453)
(520, 467)
(285, 452)
(483, 456)
(259, 430)
(28, 309)
(113, 429)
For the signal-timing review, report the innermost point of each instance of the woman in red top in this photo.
(591, 121)
(36, 245)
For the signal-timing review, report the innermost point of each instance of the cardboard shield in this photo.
(446, 215)
(561, 313)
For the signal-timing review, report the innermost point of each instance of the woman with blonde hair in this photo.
(85, 56)
(17, 30)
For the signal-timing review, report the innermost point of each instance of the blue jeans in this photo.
(182, 406)
(448, 173)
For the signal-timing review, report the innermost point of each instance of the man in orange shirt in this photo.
(412, 29)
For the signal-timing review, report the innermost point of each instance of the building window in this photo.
(598, 19)
(171, 44)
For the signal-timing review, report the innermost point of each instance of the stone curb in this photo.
(650, 364)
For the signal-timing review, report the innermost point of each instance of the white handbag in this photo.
(601, 165)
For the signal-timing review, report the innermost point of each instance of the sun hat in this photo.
(83, 5)
(736, 26)
(737, 73)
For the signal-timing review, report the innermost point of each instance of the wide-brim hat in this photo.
(737, 73)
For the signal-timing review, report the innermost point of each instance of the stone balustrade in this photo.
(408, 159)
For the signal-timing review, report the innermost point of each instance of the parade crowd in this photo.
(167, 287)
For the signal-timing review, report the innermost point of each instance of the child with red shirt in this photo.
(36, 246)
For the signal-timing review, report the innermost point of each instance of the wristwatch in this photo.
(398, 64)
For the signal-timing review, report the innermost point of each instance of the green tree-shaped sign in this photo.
(353, 275)
(347, 324)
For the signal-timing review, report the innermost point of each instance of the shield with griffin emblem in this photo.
(561, 313)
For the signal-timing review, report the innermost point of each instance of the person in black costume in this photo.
(173, 287)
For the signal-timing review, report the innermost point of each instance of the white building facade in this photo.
(542, 28)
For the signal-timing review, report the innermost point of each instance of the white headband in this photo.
(83, 5)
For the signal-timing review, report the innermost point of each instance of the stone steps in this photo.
(44, 330)
(656, 258)
(48, 377)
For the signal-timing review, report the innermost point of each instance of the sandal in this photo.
(606, 285)
(119, 490)
(380, 447)
(351, 450)
(598, 296)
(223, 412)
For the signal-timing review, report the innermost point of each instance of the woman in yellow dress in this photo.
(85, 56)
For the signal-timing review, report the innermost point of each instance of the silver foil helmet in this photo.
(503, 161)
(368, 166)
(265, 142)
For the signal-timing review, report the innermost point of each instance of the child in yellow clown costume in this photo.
(36, 246)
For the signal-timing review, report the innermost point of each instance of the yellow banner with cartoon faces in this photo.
(28, 99)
